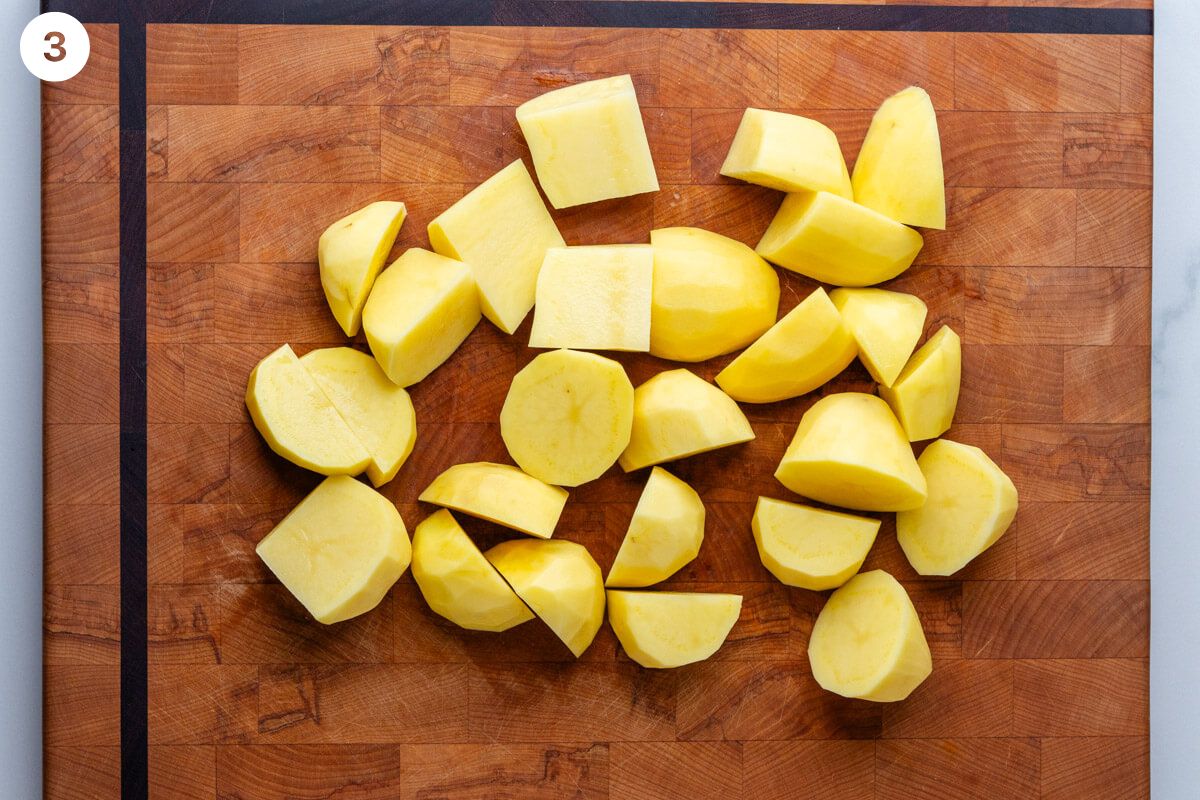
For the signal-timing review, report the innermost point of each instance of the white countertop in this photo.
(1175, 535)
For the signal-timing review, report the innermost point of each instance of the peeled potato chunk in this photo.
(834, 240)
(594, 298)
(868, 642)
(664, 534)
(925, 395)
(350, 254)
(458, 582)
(560, 581)
(885, 325)
(422, 308)
(502, 230)
(899, 168)
(378, 412)
(801, 352)
(677, 414)
(712, 294)
(500, 494)
(787, 152)
(809, 547)
(971, 503)
(850, 451)
(661, 630)
(338, 551)
(567, 416)
(298, 420)
(588, 142)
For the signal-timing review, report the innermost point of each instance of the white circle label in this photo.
(55, 46)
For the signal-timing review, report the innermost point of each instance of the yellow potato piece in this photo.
(567, 416)
(899, 168)
(594, 298)
(560, 581)
(338, 551)
(971, 503)
(422, 308)
(501, 494)
(502, 230)
(833, 240)
(662, 630)
(458, 582)
(350, 254)
(809, 547)
(925, 395)
(664, 534)
(712, 294)
(885, 325)
(378, 412)
(868, 642)
(850, 451)
(298, 420)
(801, 352)
(588, 142)
(787, 152)
(677, 414)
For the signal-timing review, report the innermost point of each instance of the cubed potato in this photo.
(971, 503)
(662, 630)
(560, 581)
(925, 394)
(833, 240)
(298, 420)
(899, 168)
(567, 416)
(712, 294)
(350, 254)
(787, 152)
(594, 298)
(588, 142)
(501, 494)
(677, 414)
(810, 547)
(885, 325)
(378, 412)
(850, 451)
(422, 308)
(458, 582)
(801, 352)
(868, 643)
(502, 230)
(664, 534)
(340, 550)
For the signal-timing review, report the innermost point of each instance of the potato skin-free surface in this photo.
(499, 493)
(662, 630)
(350, 254)
(811, 548)
(885, 325)
(925, 394)
(664, 534)
(787, 152)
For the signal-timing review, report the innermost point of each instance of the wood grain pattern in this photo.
(259, 136)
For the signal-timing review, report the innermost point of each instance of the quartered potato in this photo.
(662, 630)
(810, 547)
(787, 152)
(925, 394)
(501, 494)
(350, 254)
(664, 534)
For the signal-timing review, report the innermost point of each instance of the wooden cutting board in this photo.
(257, 136)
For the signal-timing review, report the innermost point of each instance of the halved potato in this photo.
(560, 581)
(350, 254)
(868, 642)
(298, 420)
(664, 534)
(338, 551)
(850, 451)
(501, 494)
(801, 352)
(810, 547)
(885, 325)
(458, 582)
(677, 414)
(377, 411)
(925, 395)
(567, 416)
(971, 503)
(662, 630)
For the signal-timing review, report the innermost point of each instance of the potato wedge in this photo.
(925, 394)
(663, 630)
(885, 325)
(810, 547)
(501, 494)
(665, 533)
(350, 254)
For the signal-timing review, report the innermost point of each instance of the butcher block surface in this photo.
(259, 136)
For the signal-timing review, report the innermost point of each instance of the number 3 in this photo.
(57, 51)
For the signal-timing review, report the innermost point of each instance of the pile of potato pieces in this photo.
(689, 295)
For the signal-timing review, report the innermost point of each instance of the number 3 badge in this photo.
(55, 46)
